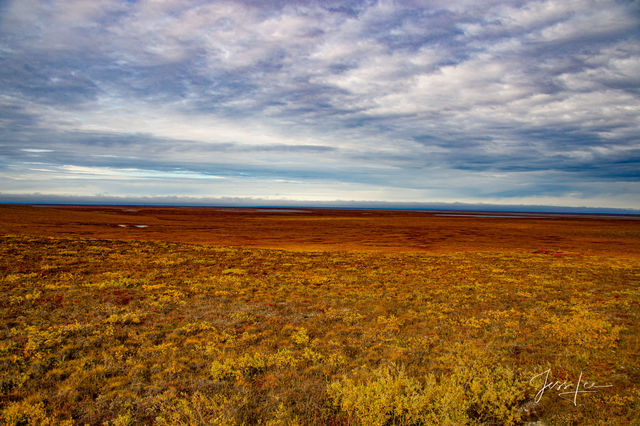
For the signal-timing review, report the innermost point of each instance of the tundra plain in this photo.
(155, 315)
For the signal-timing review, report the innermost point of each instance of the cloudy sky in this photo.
(513, 102)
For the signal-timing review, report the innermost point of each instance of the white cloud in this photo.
(436, 98)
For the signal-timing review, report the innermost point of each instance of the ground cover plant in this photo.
(121, 331)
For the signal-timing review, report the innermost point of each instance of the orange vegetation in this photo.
(334, 229)
(163, 316)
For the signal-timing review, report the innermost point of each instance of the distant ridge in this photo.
(168, 201)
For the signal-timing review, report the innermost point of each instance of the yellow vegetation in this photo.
(126, 332)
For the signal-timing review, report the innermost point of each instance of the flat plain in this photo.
(157, 315)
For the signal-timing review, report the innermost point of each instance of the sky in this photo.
(503, 102)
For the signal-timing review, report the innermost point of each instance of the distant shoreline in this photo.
(452, 210)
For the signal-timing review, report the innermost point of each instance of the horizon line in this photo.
(248, 202)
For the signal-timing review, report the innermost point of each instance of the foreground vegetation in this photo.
(129, 332)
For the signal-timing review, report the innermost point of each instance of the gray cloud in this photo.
(416, 100)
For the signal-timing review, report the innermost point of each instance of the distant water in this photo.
(494, 215)
(282, 211)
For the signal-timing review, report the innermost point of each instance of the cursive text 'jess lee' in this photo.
(587, 387)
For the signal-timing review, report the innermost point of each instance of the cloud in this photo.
(415, 99)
